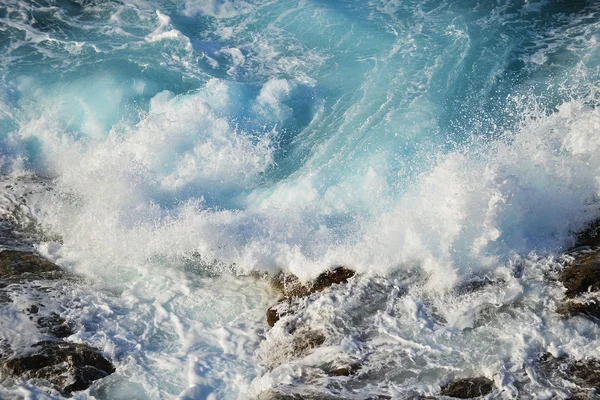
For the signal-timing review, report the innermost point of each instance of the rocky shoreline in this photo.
(580, 277)
(69, 367)
(65, 365)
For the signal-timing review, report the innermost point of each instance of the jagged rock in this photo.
(346, 370)
(581, 275)
(580, 278)
(306, 340)
(21, 265)
(571, 307)
(70, 366)
(272, 394)
(290, 286)
(584, 373)
(583, 396)
(468, 388)
(55, 325)
(272, 316)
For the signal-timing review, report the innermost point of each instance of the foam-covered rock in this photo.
(468, 388)
(69, 366)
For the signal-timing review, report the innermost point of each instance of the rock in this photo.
(468, 388)
(581, 275)
(33, 309)
(272, 394)
(272, 316)
(571, 307)
(70, 366)
(584, 373)
(346, 370)
(290, 285)
(580, 278)
(55, 325)
(582, 396)
(306, 340)
(21, 265)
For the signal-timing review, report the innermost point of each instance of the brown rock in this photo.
(290, 285)
(70, 366)
(346, 370)
(572, 307)
(581, 278)
(23, 265)
(55, 325)
(468, 388)
(306, 340)
(272, 316)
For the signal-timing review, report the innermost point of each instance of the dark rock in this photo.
(580, 278)
(582, 275)
(70, 366)
(583, 396)
(346, 370)
(33, 309)
(572, 307)
(55, 325)
(306, 340)
(272, 316)
(291, 286)
(272, 394)
(21, 265)
(473, 285)
(468, 388)
(584, 373)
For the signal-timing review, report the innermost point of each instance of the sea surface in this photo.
(168, 154)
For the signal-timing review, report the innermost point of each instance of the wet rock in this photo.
(583, 396)
(468, 388)
(70, 366)
(272, 316)
(583, 373)
(473, 285)
(33, 309)
(275, 395)
(272, 394)
(588, 307)
(581, 275)
(290, 286)
(306, 340)
(21, 265)
(345, 370)
(580, 278)
(55, 325)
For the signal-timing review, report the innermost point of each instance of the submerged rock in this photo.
(22, 265)
(468, 388)
(70, 366)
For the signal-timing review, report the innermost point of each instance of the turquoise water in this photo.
(450, 139)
